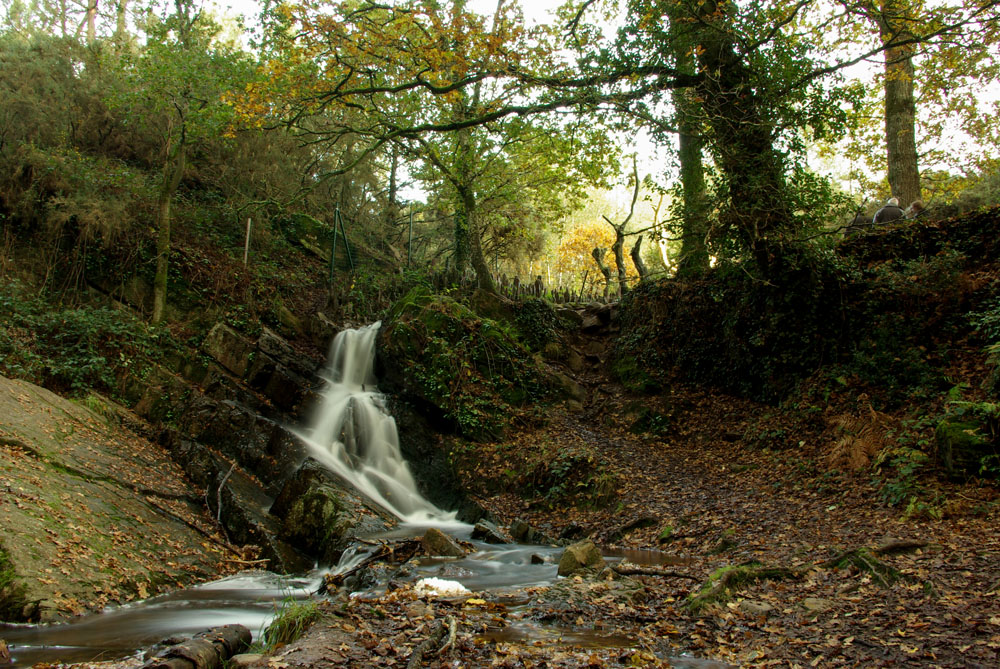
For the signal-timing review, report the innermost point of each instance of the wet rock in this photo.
(122, 486)
(320, 515)
(537, 559)
(436, 542)
(230, 348)
(523, 533)
(573, 531)
(582, 555)
(490, 533)
(244, 660)
(427, 453)
(243, 512)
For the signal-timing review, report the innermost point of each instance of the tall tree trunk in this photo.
(618, 248)
(598, 255)
(91, 21)
(636, 254)
(392, 206)
(743, 140)
(173, 170)
(484, 280)
(694, 259)
(900, 106)
(121, 25)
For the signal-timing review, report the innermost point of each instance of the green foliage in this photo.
(537, 323)
(897, 468)
(72, 350)
(554, 474)
(987, 321)
(985, 416)
(291, 621)
(470, 368)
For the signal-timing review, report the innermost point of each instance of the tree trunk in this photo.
(121, 25)
(484, 280)
(618, 248)
(91, 21)
(392, 207)
(694, 259)
(900, 107)
(598, 254)
(173, 170)
(743, 140)
(636, 254)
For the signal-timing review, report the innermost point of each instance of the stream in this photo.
(252, 599)
(354, 436)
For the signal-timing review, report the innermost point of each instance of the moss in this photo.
(724, 582)
(314, 521)
(13, 599)
(865, 561)
(961, 446)
(626, 369)
(472, 369)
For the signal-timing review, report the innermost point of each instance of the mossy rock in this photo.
(14, 605)
(865, 561)
(628, 372)
(961, 447)
(724, 582)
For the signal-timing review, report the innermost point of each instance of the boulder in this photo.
(74, 478)
(755, 608)
(319, 514)
(230, 348)
(436, 542)
(490, 533)
(569, 386)
(961, 446)
(582, 555)
(523, 533)
(465, 370)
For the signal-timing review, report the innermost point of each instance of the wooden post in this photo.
(246, 246)
(409, 244)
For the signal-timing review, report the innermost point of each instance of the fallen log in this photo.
(208, 650)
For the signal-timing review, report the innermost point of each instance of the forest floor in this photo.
(702, 495)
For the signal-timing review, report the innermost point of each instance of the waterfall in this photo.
(355, 437)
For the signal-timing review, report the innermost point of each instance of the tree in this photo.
(428, 78)
(900, 107)
(177, 87)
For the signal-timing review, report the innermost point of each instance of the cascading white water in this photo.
(354, 435)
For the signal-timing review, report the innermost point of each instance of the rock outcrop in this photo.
(94, 514)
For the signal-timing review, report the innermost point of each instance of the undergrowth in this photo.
(72, 349)
(290, 622)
